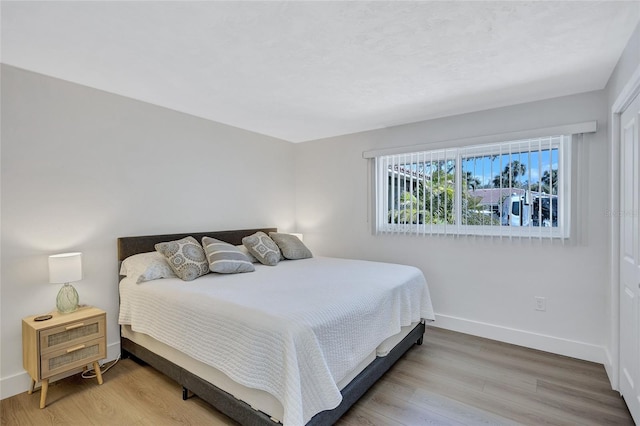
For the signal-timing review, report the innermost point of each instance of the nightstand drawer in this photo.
(72, 356)
(71, 334)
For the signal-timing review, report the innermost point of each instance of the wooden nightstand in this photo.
(63, 343)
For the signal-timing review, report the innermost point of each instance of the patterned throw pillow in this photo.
(146, 267)
(262, 248)
(225, 258)
(290, 246)
(186, 258)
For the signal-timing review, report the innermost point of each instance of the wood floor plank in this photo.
(407, 413)
(522, 361)
(552, 409)
(444, 359)
(495, 405)
(13, 412)
(452, 379)
(358, 416)
(459, 411)
(601, 410)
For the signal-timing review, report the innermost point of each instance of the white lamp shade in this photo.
(65, 268)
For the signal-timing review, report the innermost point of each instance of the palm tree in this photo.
(472, 181)
(509, 176)
(547, 180)
(407, 211)
(432, 200)
(438, 195)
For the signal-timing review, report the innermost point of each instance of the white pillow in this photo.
(146, 267)
(246, 252)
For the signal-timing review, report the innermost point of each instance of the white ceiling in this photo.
(306, 70)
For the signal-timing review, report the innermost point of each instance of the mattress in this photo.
(294, 331)
(257, 399)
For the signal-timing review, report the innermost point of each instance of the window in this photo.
(515, 188)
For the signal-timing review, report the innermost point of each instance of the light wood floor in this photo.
(452, 379)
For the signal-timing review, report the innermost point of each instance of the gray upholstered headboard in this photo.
(128, 246)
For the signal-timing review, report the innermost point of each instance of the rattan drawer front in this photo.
(69, 335)
(72, 356)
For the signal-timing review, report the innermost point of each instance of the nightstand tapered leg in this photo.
(96, 368)
(43, 393)
(33, 384)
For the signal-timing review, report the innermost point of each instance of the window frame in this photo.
(562, 142)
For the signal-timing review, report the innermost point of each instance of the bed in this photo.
(259, 347)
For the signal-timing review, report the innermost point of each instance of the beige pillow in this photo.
(186, 257)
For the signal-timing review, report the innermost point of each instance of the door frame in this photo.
(624, 99)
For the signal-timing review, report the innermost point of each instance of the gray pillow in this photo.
(225, 258)
(290, 246)
(186, 258)
(262, 248)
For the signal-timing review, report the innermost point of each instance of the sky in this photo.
(485, 168)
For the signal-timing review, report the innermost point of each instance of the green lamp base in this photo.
(67, 299)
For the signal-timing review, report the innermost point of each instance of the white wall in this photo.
(81, 167)
(480, 286)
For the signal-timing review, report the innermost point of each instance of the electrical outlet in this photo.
(541, 303)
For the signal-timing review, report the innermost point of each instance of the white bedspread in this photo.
(293, 330)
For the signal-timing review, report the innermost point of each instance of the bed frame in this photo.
(223, 401)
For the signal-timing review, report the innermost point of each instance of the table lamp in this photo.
(65, 268)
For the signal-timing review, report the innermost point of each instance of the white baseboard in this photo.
(556, 345)
(13, 385)
(20, 382)
(610, 367)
